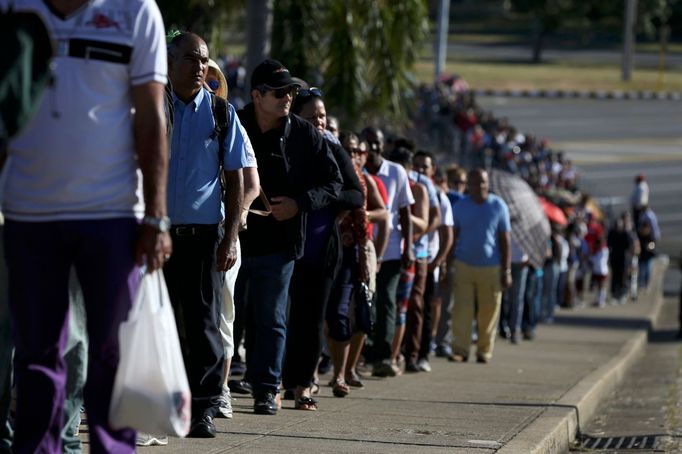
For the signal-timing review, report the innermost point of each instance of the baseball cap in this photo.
(272, 74)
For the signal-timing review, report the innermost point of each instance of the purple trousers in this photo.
(39, 256)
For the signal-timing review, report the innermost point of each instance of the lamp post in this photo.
(441, 44)
(628, 40)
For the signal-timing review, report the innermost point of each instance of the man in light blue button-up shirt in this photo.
(204, 221)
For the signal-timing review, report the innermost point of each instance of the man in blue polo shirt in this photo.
(205, 246)
(482, 245)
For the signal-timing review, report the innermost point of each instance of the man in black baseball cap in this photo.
(298, 174)
(272, 74)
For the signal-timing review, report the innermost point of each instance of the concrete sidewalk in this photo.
(532, 397)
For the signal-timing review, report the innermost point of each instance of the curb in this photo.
(584, 94)
(558, 426)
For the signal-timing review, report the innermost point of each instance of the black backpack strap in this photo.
(219, 108)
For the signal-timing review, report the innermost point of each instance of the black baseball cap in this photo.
(272, 74)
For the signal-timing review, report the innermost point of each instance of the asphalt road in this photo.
(521, 54)
(611, 141)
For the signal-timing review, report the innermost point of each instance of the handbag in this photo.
(151, 392)
(266, 211)
(364, 315)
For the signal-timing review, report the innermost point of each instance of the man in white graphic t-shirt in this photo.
(75, 197)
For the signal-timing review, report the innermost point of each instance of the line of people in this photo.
(270, 229)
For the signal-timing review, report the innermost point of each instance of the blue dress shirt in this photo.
(194, 191)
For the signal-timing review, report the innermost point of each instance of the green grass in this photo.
(550, 76)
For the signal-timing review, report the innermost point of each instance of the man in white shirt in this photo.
(398, 253)
(74, 197)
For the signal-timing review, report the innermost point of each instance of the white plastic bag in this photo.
(151, 393)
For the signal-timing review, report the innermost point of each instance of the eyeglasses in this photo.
(279, 93)
(312, 91)
(213, 84)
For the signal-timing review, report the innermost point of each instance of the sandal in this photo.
(305, 403)
(353, 380)
(339, 388)
(315, 387)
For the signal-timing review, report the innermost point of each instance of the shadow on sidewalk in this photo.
(603, 322)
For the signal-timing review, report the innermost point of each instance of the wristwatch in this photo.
(161, 224)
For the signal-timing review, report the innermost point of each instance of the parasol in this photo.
(530, 228)
(553, 212)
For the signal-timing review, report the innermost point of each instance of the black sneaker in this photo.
(264, 403)
(239, 386)
(202, 428)
(411, 366)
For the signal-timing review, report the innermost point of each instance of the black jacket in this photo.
(312, 178)
(351, 195)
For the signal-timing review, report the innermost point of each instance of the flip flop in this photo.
(306, 403)
(340, 388)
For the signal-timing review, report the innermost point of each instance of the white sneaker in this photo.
(423, 365)
(145, 439)
(225, 404)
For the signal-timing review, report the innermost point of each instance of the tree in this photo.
(547, 16)
(202, 17)
(365, 58)
(258, 32)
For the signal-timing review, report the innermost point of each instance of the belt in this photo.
(192, 229)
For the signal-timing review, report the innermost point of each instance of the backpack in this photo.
(24, 68)
(219, 110)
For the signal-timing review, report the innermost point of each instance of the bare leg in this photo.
(339, 354)
(436, 303)
(356, 343)
(397, 343)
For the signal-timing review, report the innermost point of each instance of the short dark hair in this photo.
(301, 101)
(426, 154)
(404, 142)
(401, 155)
(177, 41)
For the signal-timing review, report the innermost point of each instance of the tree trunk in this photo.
(538, 40)
(258, 33)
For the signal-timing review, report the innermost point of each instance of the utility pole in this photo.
(628, 40)
(441, 44)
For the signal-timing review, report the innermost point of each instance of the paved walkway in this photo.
(531, 398)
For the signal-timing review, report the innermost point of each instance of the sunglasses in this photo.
(312, 91)
(356, 150)
(280, 93)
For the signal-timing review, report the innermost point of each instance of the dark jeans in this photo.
(6, 350)
(532, 301)
(415, 312)
(263, 288)
(308, 292)
(39, 258)
(338, 307)
(517, 296)
(195, 289)
(618, 282)
(384, 328)
(427, 326)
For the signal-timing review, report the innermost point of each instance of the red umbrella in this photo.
(553, 212)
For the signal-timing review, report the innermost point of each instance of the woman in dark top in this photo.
(314, 273)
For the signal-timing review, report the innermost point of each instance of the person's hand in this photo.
(283, 208)
(505, 279)
(433, 265)
(226, 256)
(408, 257)
(152, 247)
